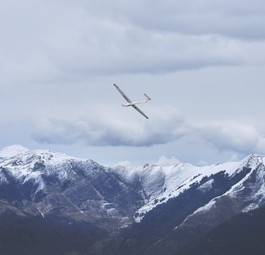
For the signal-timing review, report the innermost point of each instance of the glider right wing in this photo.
(123, 94)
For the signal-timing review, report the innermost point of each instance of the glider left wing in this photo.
(137, 109)
(123, 94)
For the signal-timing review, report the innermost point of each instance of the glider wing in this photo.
(123, 94)
(137, 109)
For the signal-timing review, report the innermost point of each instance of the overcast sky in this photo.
(202, 62)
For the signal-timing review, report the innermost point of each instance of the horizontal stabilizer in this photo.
(147, 97)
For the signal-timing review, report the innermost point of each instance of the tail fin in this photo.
(146, 98)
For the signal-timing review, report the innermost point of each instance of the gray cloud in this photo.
(229, 18)
(62, 40)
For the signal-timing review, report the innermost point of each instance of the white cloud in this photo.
(240, 138)
(165, 126)
(164, 161)
(126, 164)
(109, 130)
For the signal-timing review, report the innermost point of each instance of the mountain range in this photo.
(52, 203)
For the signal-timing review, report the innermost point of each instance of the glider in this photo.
(131, 103)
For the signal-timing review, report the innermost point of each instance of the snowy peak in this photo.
(21, 159)
(38, 166)
(254, 160)
(12, 151)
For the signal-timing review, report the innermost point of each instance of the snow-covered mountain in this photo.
(139, 205)
(43, 182)
(160, 184)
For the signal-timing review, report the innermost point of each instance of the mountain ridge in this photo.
(142, 210)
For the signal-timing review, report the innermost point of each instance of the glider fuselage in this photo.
(133, 103)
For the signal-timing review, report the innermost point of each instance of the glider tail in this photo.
(146, 98)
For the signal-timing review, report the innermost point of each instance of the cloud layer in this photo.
(82, 38)
(205, 58)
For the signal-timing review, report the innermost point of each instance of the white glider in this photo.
(131, 103)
